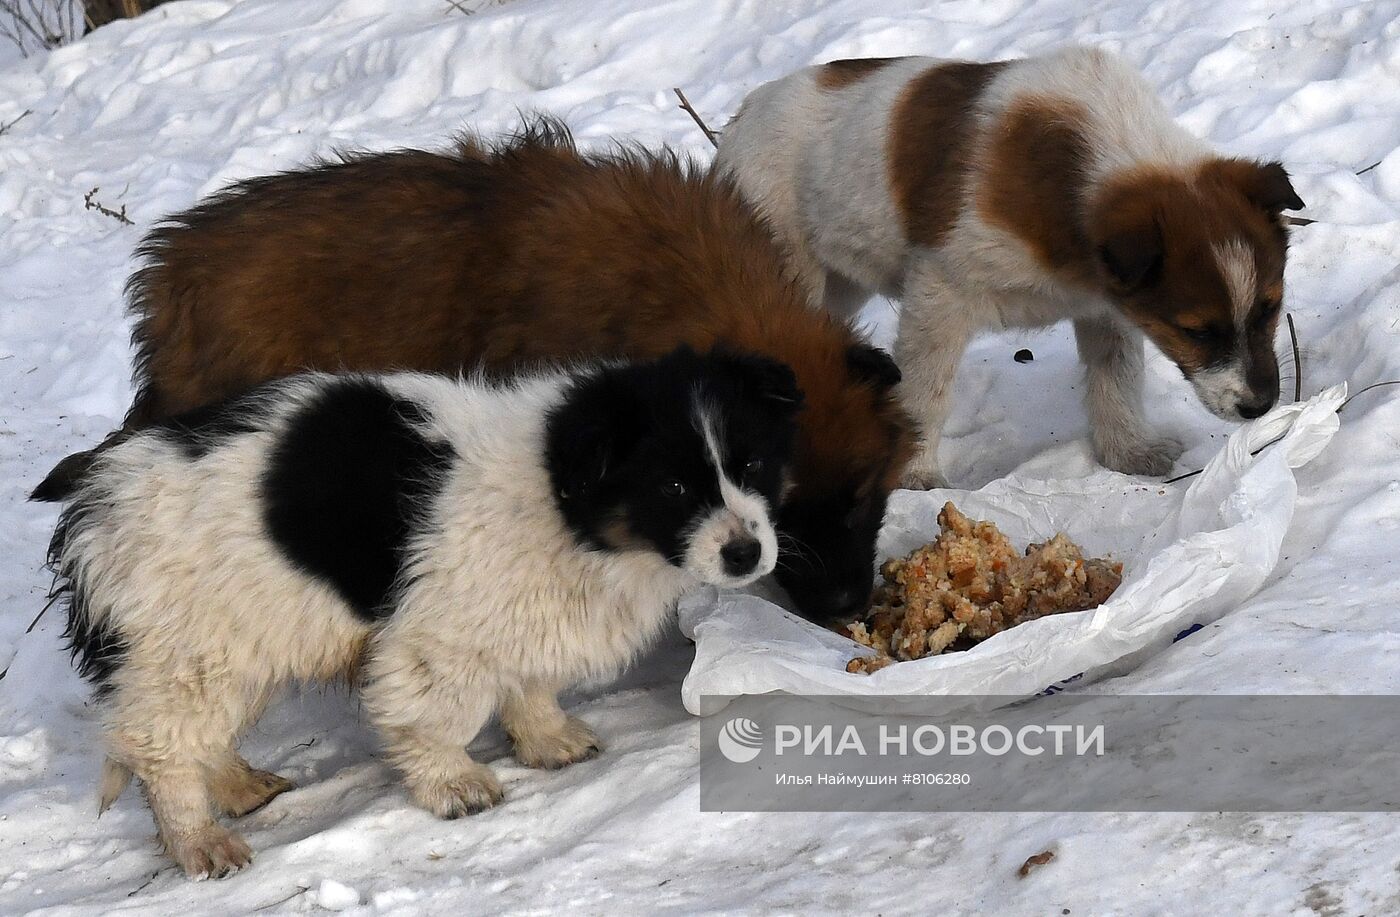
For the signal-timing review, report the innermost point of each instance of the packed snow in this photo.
(143, 117)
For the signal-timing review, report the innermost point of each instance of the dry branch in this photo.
(695, 116)
(9, 124)
(90, 204)
(1297, 360)
(35, 25)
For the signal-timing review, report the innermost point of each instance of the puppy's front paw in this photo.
(923, 472)
(922, 478)
(211, 853)
(1142, 455)
(473, 789)
(575, 742)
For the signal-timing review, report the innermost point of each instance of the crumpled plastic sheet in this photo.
(1191, 553)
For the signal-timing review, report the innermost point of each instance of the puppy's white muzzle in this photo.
(734, 545)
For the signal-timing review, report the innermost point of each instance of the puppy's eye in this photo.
(752, 467)
(673, 489)
(1200, 335)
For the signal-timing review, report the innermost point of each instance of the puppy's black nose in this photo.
(741, 556)
(1255, 407)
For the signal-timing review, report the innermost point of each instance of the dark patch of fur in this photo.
(346, 487)
(62, 482)
(873, 365)
(98, 651)
(930, 144)
(839, 74)
(201, 430)
(624, 436)
(71, 471)
(1034, 184)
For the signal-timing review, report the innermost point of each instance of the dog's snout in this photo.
(848, 603)
(740, 556)
(1251, 408)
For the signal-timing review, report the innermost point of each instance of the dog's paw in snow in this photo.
(471, 790)
(573, 743)
(1139, 454)
(210, 853)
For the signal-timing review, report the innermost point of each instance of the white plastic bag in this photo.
(1190, 554)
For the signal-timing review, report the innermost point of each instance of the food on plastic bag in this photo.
(970, 583)
(1193, 554)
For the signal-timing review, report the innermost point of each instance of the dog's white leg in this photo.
(1112, 356)
(935, 326)
(440, 775)
(844, 297)
(543, 734)
(180, 800)
(427, 716)
(173, 728)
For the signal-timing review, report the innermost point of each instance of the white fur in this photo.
(1222, 388)
(744, 515)
(500, 610)
(814, 161)
(1236, 263)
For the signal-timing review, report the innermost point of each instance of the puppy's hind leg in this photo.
(172, 726)
(1112, 356)
(544, 735)
(239, 788)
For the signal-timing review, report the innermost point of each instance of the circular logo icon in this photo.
(740, 740)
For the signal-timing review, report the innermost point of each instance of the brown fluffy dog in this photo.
(507, 256)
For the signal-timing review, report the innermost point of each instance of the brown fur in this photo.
(1033, 180)
(499, 258)
(1034, 186)
(1178, 218)
(839, 74)
(931, 136)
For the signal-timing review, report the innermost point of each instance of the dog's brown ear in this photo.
(1264, 184)
(1133, 259)
(1130, 251)
(1124, 227)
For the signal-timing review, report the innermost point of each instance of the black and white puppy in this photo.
(475, 547)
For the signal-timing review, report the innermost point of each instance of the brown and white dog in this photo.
(1020, 193)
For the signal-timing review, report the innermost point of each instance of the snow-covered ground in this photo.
(156, 112)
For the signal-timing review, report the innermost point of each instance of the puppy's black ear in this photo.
(770, 380)
(1132, 257)
(588, 435)
(1272, 190)
(873, 365)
